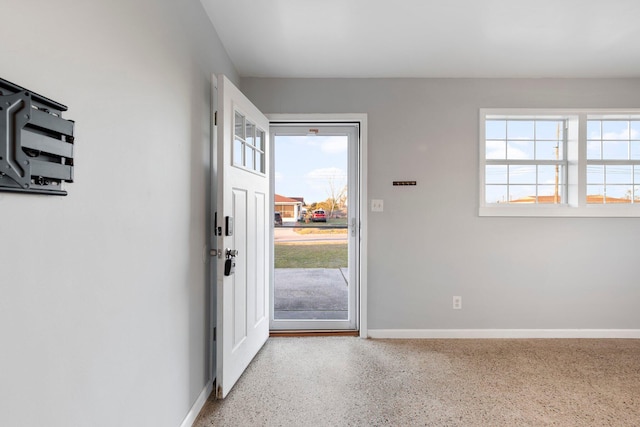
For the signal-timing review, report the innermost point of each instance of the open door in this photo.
(242, 226)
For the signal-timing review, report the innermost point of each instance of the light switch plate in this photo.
(377, 205)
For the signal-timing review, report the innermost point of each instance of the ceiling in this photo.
(430, 38)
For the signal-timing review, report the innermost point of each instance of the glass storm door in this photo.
(316, 214)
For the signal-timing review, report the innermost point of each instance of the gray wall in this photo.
(103, 293)
(429, 243)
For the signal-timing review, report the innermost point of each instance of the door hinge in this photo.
(214, 334)
(215, 118)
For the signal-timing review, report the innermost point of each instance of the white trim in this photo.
(321, 117)
(504, 333)
(364, 239)
(346, 118)
(197, 406)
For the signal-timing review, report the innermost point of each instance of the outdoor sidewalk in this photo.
(311, 293)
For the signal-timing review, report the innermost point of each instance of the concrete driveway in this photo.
(311, 293)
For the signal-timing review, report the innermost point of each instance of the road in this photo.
(287, 235)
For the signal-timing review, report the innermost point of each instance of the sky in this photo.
(306, 166)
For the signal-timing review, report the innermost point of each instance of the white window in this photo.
(559, 163)
(613, 160)
(248, 144)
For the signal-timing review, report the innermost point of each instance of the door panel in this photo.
(242, 234)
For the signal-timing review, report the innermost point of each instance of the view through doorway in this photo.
(316, 226)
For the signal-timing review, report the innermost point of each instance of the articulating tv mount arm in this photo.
(36, 143)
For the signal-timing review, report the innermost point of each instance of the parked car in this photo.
(277, 219)
(319, 216)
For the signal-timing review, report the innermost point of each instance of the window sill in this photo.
(590, 211)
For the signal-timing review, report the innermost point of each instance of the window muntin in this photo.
(525, 160)
(248, 144)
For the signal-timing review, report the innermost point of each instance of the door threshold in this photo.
(315, 333)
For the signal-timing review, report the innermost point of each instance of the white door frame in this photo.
(362, 178)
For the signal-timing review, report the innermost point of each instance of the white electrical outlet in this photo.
(377, 205)
(457, 303)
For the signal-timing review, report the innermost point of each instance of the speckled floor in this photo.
(344, 381)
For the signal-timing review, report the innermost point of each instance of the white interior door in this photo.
(242, 228)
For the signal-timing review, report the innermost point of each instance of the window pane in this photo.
(517, 129)
(239, 125)
(495, 129)
(619, 174)
(549, 150)
(496, 174)
(522, 174)
(635, 150)
(547, 174)
(259, 161)
(520, 150)
(550, 194)
(496, 150)
(618, 194)
(615, 129)
(615, 150)
(595, 174)
(595, 194)
(636, 174)
(593, 129)
(522, 193)
(594, 150)
(635, 129)
(251, 130)
(260, 140)
(549, 130)
(249, 158)
(237, 152)
(496, 194)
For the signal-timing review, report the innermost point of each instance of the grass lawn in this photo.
(333, 255)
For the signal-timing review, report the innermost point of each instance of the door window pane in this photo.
(239, 125)
(250, 132)
(237, 152)
(249, 158)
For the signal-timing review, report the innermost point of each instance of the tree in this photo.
(337, 196)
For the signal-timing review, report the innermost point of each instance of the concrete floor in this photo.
(337, 381)
(311, 293)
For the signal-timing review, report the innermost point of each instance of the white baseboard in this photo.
(504, 333)
(197, 406)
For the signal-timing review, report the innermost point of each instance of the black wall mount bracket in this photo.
(36, 143)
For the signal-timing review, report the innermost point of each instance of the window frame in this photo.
(575, 148)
